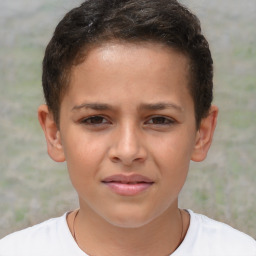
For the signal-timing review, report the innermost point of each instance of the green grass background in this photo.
(34, 188)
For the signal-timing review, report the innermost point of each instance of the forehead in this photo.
(126, 70)
(125, 52)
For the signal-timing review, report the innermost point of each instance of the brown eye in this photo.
(160, 120)
(94, 120)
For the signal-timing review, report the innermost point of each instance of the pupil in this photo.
(158, 120)
(97, 120)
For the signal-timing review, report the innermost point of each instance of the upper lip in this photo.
(121, 178)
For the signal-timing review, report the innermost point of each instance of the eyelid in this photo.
(170, 120)
(167, 121)
(83, 120)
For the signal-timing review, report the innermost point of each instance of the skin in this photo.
(128, 111)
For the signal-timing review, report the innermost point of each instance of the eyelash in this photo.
(88, 120)
(164, 121)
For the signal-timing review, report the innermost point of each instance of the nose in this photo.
(127, 146)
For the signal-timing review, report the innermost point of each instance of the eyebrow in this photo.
(161, 106)
(144, 106)
(94, 106)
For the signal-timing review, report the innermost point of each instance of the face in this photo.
(127, 131)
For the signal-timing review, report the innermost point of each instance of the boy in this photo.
(128, 87)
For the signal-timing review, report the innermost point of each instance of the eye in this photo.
(160, 120)
(94, 120)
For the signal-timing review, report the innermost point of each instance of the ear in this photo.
(204, 135)
(52, 134)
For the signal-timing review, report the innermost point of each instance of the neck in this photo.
(158, 237)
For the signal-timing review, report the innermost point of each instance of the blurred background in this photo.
(34, 188)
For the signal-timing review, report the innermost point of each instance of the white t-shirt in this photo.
(205, 237)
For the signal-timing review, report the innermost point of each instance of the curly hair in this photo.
(98, 21)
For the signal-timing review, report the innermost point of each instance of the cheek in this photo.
(172, 156)
(173, 150)
(84, 155)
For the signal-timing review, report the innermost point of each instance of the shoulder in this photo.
(220, 238)
(221, 230)
(36, 240)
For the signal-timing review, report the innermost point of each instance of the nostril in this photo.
(115, 159)
(139, 159)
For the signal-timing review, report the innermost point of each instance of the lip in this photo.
(128, 185)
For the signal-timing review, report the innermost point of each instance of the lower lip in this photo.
(125, 189)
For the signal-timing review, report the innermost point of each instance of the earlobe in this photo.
(52, 134)
(204, 135)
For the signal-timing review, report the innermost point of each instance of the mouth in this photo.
(128, 185)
